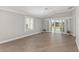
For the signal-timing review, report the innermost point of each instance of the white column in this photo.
(77, 26)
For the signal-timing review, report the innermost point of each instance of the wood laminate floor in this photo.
(42, 42)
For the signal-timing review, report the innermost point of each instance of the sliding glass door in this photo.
(56, 25)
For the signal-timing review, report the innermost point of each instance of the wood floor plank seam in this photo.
(42, 42)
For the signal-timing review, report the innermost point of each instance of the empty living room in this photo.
(39, 28)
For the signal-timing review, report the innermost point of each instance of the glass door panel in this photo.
(56, 26)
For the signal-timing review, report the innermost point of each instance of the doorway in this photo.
(56, 25)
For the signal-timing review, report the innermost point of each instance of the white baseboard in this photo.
(77, 45)
(12, 39)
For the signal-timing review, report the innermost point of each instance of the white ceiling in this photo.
(37, 11)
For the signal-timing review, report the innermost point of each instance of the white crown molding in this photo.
(17, 12)
(10, 10)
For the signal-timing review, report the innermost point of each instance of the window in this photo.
(29, 23)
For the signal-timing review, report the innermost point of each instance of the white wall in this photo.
(12, 25)
(37, 27)
(77, 26)
(73, 23)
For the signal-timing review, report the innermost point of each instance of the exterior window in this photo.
(29, 21)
